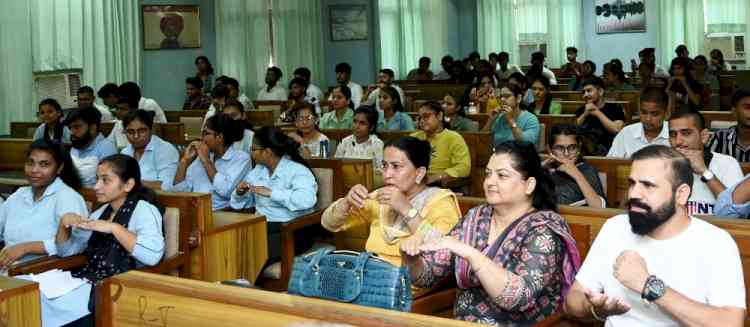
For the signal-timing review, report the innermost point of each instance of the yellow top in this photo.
(450, 154)
(440, 212)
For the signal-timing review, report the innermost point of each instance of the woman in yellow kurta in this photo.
(405, 207)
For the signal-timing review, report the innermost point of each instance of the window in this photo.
(724, 26)
(531, 24)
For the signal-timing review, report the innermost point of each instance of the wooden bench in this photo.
(147, 299)
(19, 303)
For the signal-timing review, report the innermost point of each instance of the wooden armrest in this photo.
(301, 222)
(454, 183)
(40, 265)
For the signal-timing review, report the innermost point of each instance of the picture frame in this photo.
(620, 16)
(348, 22)
(171, 27)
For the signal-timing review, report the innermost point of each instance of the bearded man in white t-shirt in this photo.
(657, 265)
(712, 171)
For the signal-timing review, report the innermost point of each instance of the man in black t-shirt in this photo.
(599, 121)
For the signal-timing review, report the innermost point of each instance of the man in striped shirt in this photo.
(735, 141)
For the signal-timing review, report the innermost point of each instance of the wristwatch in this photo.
(411, 214)
(707, 176)
(654, 289)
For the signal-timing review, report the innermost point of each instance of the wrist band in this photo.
(593, 313)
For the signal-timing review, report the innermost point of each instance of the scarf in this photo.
(512, 239)
(393, 226)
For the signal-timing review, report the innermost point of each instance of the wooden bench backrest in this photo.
(13, 153)
(172, 132)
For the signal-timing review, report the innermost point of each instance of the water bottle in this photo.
(472, 108)
(324, 149)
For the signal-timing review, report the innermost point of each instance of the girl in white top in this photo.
(363, 143)
(236, 110)
(52, 127)
(307, 134)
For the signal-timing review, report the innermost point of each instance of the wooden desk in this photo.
(19, 303)
(13, 153)
(140, 299)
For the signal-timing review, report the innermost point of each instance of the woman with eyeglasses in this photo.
(309, 137)
(509, 121)
(156, 158)
(576, 182)
(52, 127)
(450, 155)
(219, 167)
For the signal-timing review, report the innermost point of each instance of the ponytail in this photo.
(279, 143)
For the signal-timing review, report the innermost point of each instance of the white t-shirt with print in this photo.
(702, 263)
(727, 170)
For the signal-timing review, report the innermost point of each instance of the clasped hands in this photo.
(245, 187)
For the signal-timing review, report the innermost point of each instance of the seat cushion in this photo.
(171, 222)
(324, 177)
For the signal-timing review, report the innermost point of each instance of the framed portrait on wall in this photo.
(620, 16)
(171, 27)
(348, 22)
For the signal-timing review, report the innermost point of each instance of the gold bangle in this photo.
(593, 313)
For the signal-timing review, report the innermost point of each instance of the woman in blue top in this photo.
(393, 117)
(124, 234)
(157, 158)
(510, 121)
(219, 167)
(30, 216)
(281, 186)
(52, 127)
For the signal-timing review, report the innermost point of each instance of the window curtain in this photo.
(16, 64)
(503, 24)
(102, 38)
(680, 22)
(496, 28)
(242, 42)
(298, 37)
(410, 29)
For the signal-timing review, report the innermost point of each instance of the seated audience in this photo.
(735, 140)
(205, 72)
(126, 233)
(341, 113)
(576, 181)
(521, 81)
(702, 74)
(52, 127)
(505, 68)
(450, 155)
(364, 142)
(648, 56)
(682, 51)
(298, 95)
(543, 104)
(109, 93)
(219, 97)
(598, 120)
(29, 218)
(195, 99)
(131, 90)
(444, 74)
(117, 135)
(86, 98)
(401, 209)
(157, 159)
(652, 128)
(539, 70)
(89, 145)
(236, 110)
(483, 95)
(734, 202)
(422, 72)
(313, 91)
(683, 89)
(281, 186)
(344, 77)
(588, 72)
(272, 91)
(657, 265)
(392, 116)
(614, 79)
(455, 116)
(385, 79)
(233, 86)
(513, 258)
(647, 78)
(718, 65)
(510, 121)
(219, 167)
(308, 134)
(572, 67)
(712, 171)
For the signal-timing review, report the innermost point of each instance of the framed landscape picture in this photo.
(171, 27)
(620, 16)
(348, 22)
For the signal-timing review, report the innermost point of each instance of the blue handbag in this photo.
(346, 276)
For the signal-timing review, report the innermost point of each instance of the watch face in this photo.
(656, 289)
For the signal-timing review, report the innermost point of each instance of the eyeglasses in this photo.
(302, 119)
(571, 148)
(256, 148)
(206, 132)
(137, 132)
(425, 116)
